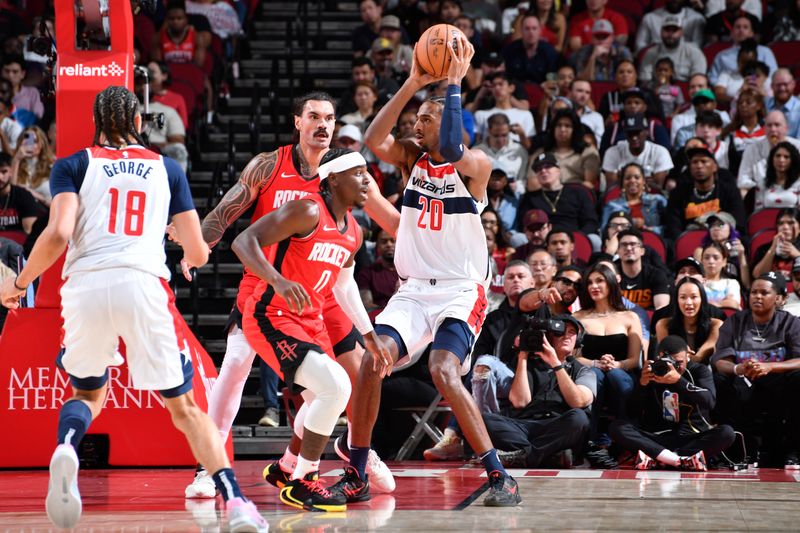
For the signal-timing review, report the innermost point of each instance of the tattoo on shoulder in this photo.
(259, 170)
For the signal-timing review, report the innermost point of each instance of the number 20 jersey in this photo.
(126, 196)
(440, 234)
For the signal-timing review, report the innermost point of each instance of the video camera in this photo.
(660, 366)
(533, 331)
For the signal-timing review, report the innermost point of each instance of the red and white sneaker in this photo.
(243, 517)
(696, 462)
(644, 461)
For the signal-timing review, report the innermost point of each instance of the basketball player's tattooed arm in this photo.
(295, 218)
(241, 196)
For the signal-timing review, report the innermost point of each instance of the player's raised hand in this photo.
(295, 295)
(460, 56)
(382, 360)
(419, 76)
(10, 294)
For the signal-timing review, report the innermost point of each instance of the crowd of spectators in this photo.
(644, 195)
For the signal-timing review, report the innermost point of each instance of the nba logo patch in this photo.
(671, 407)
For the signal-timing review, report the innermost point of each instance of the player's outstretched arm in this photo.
(473, 164)
(239, 197)
(379, 136)
(187, 226)
(381, 210)
(298, 217)
(48, 248)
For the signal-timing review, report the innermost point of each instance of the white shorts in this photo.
(419, 307)
(101, 306)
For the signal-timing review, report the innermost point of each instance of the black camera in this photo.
(660, 367)
(533, 331)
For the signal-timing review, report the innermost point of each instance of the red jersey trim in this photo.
(131, 152)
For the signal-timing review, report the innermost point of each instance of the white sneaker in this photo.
(380, 477)
(63, 501)
(202, 487)
(243, 517)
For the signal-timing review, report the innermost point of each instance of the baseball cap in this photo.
(621, 214)
(390, 21)
(633, 92)
(545, 159)
(699, 150)
(381, 43)
(703, 94)
(602, 26)
(635, 122)
(536, 218)
(708, 218)
(350, 131)
(492, 59)
(777, 280)
(672, 21)
(690, 262)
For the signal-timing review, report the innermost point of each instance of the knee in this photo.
(578, 419)
(726, 435)
(338, 388)
(445, 376)
(481, 373)
(183, 410)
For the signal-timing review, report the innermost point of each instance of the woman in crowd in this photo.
(692, 320)
(564, 137)
(554, 24)
(32, 163)
(775, 181)
(746, 126)
(722, 230)
(645, 209)
(364, 96)
(612, 347)
(721, 290)
(779, 255)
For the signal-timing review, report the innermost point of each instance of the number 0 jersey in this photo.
(314, 261)
(440, 234)
(126, 197)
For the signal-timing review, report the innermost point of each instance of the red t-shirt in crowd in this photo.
(175, 101)
(581, 25)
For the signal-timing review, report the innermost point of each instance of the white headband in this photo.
(344, 162)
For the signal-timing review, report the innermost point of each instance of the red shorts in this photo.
(283, 339)
(343, 335)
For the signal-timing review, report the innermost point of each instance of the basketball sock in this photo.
(199, 468)
(288, 461)
(226, 483)
(358, 460)
(73, 421)
(668, 457)
(304, 467)
(491, 463)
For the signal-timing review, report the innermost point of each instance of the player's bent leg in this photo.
(209, 450)
(327, 392)
(279, 472)
(63, 502)
(451, 347)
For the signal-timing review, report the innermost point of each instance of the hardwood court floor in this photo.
(431, 497)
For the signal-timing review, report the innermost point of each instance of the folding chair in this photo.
(423, 416)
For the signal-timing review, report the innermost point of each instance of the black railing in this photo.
(254, 124)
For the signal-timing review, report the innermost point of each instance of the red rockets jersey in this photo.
(182, 52)
(285, 184)
(313, 261)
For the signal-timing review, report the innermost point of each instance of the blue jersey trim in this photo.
(181, 194)
(452, 205)
(68, 173)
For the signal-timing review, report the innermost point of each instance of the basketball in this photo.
(430, 54)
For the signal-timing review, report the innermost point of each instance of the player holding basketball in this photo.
(271, 180)
(111, 203)
(318, 238)
(441, 254)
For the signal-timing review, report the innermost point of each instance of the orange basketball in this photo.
(431, 55)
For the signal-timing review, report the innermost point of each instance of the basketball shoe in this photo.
(275, 476)
(352, 486)
(503, 491)
(63, 501)
(696, 462)
(202, 487)
(450, 448)
(644, 461)
(380, 476)
(243, 517)
(308, 493)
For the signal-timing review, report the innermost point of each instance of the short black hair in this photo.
(568, 268)
(671, 345)
(559, 230)
(301, 101)
(498, 119)
(361, 61)
(502, 75)
(631, 231)
(748, 46)
(176, 4)
(14, 58)
(752, 68)
(709, 118)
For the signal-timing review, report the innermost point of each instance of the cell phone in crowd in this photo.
(29, 139)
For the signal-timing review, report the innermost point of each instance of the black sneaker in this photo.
(599, 457)
(275, 476)
(516, 458)
(351, 486)
(341, 448)
(309, 494)
(791, 461)
(503, 491)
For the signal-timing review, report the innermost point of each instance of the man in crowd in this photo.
(758, 371)
(580, 93)
(703, 99)
(363, 69)
(650, 30)
(726, 60)
(598, 59)
(521, 122)
(687, 58)
(19, 209)
(783, 99)
(28, 107)
(561, 245)
(653, 158)
(543, 268)
(378, 281)
(582, 25)
(754, 167)
(505, 154)
(708, 128)
(536, 226)
(363, 36)
(641, 283)
(530, 58)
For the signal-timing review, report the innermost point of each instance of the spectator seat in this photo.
(687, 242)
(787, 53)
(654, 241)
(711, 50)
(762, 219)
(423, 416)
(583, 246)
(761, 238)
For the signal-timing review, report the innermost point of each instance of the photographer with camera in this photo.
(550, 396)
(163, 126)
(672, 404)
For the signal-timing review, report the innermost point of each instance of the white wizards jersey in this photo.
(126, 196)
(440, 235)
